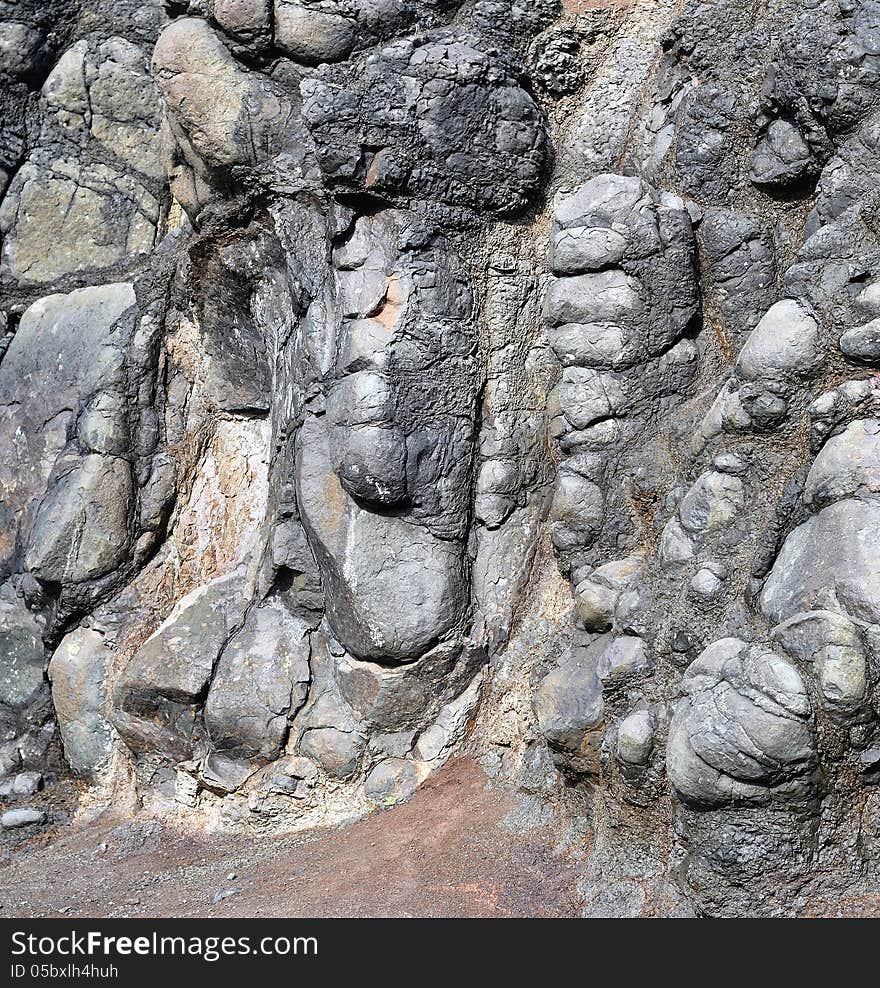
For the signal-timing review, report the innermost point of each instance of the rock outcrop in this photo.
(381, 380)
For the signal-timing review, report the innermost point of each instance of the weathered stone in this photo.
(862, 343)
(224, 774)
(103, 91)
(454, 125)
(81, 530)
(246, 19)
(156, 696)
(784, 343)
(832, 551)
(624, 656)
(848, 465)
(596, 597)
(635, 738)
(743, 269)
(676, 545)
(260, 682)
(577, 510)
(832, 644)
(78, 672)
(570, 708)
(742, 733)
(337, 752)
(22, 817)
(580, 249)
(587, 344)
(712, 503)
(23, 49)
(34, 745)
(65, 349)
(782, 158)
(314, 32)
(222, 116)
(63, 216)
(705, 585)
(22, 655)
(400, 588)
(27, 784)
(392, 781)
(605, 296)
(337, 384)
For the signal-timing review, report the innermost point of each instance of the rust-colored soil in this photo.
(444, 853)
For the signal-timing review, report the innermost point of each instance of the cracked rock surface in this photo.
(386, 380)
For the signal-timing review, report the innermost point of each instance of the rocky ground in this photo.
(448, 852)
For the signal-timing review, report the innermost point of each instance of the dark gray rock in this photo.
(81, 530)
(782, 158)
(401, 588)
(862, 343)
(337, 752)
(833, 551)
(316, 381)
(455, 125)
(65, 349)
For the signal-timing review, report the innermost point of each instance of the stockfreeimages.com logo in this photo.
(209, 948)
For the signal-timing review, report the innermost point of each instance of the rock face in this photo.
(367, 395)
(742, 732)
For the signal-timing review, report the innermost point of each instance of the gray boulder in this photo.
(66, 348)
(156, 697)
(847, 466)
(22, 817)
(635, 738)
(742, 733)
(102, 91)
(313, 32)
(832, 644)
(66, 216)
(260, 682)
(392, 781)
(832, 552)
(782, 158)
(461, 129)
(570, 709)
(785, 343)
(78, 672)
(393, 588)
(196, 73)
(862, 343)
(337, 752)
(81, 530)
